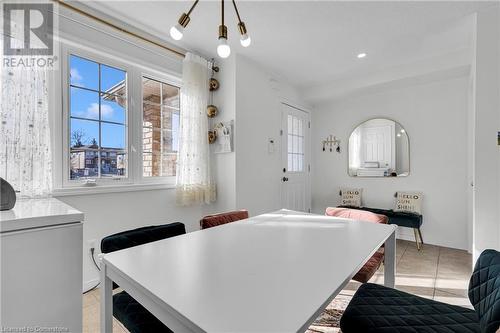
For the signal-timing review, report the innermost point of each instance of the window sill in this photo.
(88, 190)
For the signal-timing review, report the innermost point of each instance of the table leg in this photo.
(390, 261)
(106, 301)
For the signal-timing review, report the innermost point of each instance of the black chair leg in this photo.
(420, 235)
(418, 242)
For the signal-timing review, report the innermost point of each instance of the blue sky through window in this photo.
(110, 77)
(84, 73)
(87, 104)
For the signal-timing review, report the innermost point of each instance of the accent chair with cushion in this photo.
(378, 309)
(372, 265)
(126, 309)
(214, 220)
(401, 219)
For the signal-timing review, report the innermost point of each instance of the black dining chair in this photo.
(126, 309)
(375, 308)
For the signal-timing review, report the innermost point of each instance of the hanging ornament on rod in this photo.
(212, 110)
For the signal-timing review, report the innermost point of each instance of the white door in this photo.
(377, 145)
(295, 188)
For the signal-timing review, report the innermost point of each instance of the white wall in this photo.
(435, 117)
(247, 178)
(258, 118)
(223, 165)
(486, 106)
(109, 213)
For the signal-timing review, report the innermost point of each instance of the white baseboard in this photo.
(406, 237)
(89, 284)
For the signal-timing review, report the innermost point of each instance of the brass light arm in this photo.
(236, 10)
(192, 7)
(222, 27)
(241, 25)
(185, 18)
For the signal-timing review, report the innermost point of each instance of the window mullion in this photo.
(161, 130)
(134, 122)
(100, 125)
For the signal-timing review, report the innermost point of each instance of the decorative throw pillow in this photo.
(351, 197)
(409, 202)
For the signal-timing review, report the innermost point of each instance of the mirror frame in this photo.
(375, 118)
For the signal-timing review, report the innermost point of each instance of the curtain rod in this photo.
(116, 27)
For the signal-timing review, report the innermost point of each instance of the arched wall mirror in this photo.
(379, 148)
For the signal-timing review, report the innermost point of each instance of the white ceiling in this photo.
(313, 42)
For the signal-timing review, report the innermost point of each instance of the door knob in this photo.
(284, 179)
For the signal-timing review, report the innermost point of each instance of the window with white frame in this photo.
(160, 128)
(123, 122)
(98, 120)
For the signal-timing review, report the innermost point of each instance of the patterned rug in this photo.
(329, 320)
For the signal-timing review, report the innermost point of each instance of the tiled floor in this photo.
(434, 272)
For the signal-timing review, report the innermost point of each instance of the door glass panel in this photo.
(295, 144)
(295, 126)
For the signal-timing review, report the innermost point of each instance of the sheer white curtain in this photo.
(194, 184)
(25, 154)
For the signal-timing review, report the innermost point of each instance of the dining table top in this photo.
(270, 273)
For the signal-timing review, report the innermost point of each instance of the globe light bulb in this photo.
(176, 31)
(245, 40)
(223, 50)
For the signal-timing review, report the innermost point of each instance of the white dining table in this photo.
(274, 272)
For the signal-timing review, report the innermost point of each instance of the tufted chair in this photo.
(378, 309)
(126, 309)
(210, 221)
(372, 265)
(484, 290)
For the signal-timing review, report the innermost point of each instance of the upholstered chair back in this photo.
(214, 220)
(356, 214)
(484, 290)
(139, 236)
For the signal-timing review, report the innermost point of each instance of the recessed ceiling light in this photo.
(361, 55)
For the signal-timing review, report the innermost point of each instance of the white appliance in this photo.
(41, 267)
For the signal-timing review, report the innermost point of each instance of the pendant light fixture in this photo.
(245, 39)
(223, 49)
(176, 32)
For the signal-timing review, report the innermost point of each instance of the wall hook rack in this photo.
(331, 142)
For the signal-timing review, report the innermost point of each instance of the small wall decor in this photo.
(409, 202)
(214, 84)
(212, 111)
(498, 138)
(331, 142)
(212, 136)
(351, 197)
(224, 133)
